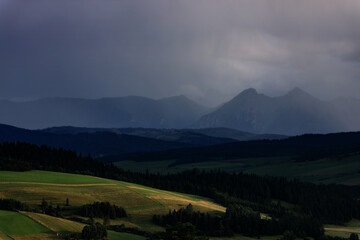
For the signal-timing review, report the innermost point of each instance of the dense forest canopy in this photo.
(306, 147)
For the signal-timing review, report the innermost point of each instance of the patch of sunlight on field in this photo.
(140, 202)
(60, 225)
(131, 196)
(55, 224)
(13, 220)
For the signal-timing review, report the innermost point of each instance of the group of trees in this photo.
(244, 220)
(12, 205)
(102, 210)
(94, 232)
(25, 156)
(48, 209)
(181, 231)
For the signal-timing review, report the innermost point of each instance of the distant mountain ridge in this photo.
(294, 113)
(205, 136)
(173, 112)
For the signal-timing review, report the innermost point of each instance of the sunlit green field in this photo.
(13, 223)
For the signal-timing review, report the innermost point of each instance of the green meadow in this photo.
(140, 202)
(13, 223)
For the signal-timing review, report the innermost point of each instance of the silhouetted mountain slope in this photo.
(301, 148)
(209, 136)
(169, 135)
(97, 143)
(294, 113)
(171, 112)
(235, 134)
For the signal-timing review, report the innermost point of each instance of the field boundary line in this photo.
(2, 234)
(63, 184)
(35, 220)
(349, 230)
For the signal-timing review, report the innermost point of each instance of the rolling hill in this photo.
(141, 202)
(96, 144)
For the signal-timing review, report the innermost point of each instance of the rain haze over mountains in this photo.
(205, 53)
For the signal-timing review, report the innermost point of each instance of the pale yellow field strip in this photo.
(176, 197)
(54, 224)
(145, 189)
(62, 185)
(349, 230)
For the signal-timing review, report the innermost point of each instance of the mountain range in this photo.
(294, 113)
(173, 112)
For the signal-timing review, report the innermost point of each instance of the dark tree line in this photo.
(13, 205)
(328, 203)
(94, 232)
(47, 208)
(102, 210)
(306, 147)
(244, 220)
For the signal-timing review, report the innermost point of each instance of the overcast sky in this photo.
(207, 50)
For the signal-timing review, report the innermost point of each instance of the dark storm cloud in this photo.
(208, 50)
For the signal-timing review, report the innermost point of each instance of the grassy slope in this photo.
(18, 224)
(48, 177)
(62, 225)
(55, 224)
(140, 201)
(344, 170)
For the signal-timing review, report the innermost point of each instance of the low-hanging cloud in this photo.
(209, 50)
